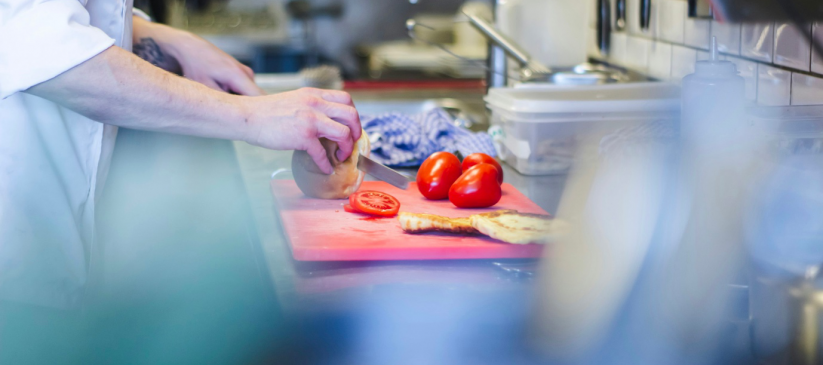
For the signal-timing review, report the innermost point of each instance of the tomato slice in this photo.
(375, 203)
(350, 209)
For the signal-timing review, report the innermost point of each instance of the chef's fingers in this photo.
(212, 84)
(344, 114)
(334, 96)
(328, 128)
(247, 70)
(243, 85)
(318, 154)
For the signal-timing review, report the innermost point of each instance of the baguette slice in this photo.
(519, 228)
(422, 222)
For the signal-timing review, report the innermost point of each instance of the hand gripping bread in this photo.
(345, 179)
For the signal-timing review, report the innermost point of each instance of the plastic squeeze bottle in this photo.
(712, 105)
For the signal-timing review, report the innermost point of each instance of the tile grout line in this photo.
(745, 58)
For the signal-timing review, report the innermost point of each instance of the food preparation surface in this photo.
(320, 230)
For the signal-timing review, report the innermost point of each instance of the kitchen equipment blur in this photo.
(322, 77)
(553, 32)
(645, 14)
(784, 236)
(767, 10)
(536, 129)
(604, 25)
(620, 15)
(382, 173)
(529, 67)
(465, 50)
(306, 13)
(700, 9)
(532, 70)
(497, 63)
(800, 12)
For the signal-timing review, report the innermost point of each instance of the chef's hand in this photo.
(195, 58)
(296, 120)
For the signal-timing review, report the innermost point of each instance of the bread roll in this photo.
(345, 179)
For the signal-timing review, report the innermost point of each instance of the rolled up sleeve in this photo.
(40, 39)
(140, 14)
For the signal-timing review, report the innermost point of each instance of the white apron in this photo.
(53, 161)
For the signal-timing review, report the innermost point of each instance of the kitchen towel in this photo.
(399, 139)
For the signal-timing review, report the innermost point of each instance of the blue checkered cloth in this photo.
(406, 140)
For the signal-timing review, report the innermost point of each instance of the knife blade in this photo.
(381, 172)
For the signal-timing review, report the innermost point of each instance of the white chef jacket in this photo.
(53, 161)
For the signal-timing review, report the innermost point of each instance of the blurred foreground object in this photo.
(657, 236)
(785, 237)
(767, 10)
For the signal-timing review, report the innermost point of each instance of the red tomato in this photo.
(437, 174)
(374, 203)
(476, 188)
(478, 158)
(349, 208)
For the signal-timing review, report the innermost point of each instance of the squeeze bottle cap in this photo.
(714, 65)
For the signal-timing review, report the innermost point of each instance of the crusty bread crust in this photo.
(422, 222)
(505, 225)
(514, 227)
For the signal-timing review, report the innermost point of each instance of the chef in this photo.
(68, 79)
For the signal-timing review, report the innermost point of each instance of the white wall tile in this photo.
(660, 60)
(671, 16)
(773, 86)
(683, 60)
(591, 19)
(817, 60)
(617, 48)
(637, 53)
(748, 71)
(806, 90)
(757, 41)
(697, 32)
(728, 37)
(791, 48)
(705, 55)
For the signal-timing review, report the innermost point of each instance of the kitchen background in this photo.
(774, 58)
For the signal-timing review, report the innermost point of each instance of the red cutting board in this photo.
(320, 230)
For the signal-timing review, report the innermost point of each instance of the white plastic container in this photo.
(538, 128)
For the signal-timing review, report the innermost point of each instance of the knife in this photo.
(381, 172)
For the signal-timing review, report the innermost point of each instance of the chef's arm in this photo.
(116, 87)
(195, 58)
